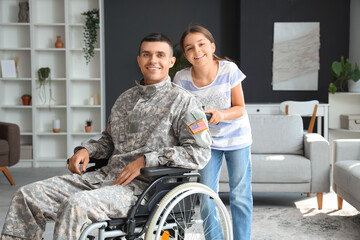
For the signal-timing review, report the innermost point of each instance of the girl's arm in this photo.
(237, 107)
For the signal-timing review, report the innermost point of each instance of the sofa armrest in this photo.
(346, 149)
(317, 149)
(11, 133)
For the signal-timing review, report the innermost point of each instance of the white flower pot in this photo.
(354, 86)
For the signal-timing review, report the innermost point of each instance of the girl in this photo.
(216, 82)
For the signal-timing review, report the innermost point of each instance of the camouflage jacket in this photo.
(162, 122)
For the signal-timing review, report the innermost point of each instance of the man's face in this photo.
(154, 61)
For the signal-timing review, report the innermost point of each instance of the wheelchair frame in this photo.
(141, 216)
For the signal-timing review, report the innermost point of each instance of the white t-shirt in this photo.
(228, 134)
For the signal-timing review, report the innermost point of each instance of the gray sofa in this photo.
(346, 171)
(284, 159)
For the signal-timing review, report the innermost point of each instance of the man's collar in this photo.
(150, 89)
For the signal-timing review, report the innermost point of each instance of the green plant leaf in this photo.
(332, 88)
(90, 33)
(356, 73)
(342, 72)
(336, 68)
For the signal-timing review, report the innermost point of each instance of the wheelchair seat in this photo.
(172, 211)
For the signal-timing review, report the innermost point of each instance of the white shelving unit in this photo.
(73, 82)
(342, 104)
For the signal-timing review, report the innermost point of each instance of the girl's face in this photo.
(198, 50)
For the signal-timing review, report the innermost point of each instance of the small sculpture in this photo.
(23, 12)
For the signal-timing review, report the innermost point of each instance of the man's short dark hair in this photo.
(157, 37)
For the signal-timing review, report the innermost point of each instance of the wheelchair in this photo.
(173, 210)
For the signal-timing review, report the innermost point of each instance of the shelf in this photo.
(26, 134)
(14, 24)
(82, 50)
(85, 79)
(49, 24)
(91, 70)
(51, 134)
(344, 130)
(73, 82)
(15, 49)
(344, 93)
(52, 106)
(85, 106)
(15, 79)
(48, 12)
(50, 49)
(76, 25)
(76, 7)
(16, 106)
(342, 103)
(85, 133)
(17, 36)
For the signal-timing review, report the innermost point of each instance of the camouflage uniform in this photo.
(151, 121)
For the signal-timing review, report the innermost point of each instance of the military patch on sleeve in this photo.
(197, 127)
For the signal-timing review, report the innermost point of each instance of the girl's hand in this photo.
(217, 116)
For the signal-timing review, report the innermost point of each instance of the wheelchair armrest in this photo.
(163, 170)
(99, 163)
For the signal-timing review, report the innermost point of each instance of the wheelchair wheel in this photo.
(181, 216)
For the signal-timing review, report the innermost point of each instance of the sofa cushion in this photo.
(277, 134)
(4, 147)
(276, 168)
(347, 176)
(280, 168)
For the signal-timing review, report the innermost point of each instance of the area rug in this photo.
(282, 223)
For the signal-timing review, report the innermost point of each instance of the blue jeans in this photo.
(241, 203)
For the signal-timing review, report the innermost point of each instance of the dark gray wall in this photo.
(127, 21)
(243, 31)
(257, 19)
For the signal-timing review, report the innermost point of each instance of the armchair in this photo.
(346, 171)
(9, 148)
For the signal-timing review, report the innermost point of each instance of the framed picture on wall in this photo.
(8, 69)
(296, 60)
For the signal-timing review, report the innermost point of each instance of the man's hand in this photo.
(81, 156)
(131, 171)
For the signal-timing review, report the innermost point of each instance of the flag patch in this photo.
(198, 127)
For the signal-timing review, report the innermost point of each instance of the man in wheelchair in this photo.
(154, 123)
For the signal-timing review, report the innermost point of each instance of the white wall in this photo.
(354, 44)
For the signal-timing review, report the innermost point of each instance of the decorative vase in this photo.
(88, 129)
(59, 43)
(354, 86)
(56, 126)
(26, 100)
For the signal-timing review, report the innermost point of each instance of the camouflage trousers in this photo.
(70, 201)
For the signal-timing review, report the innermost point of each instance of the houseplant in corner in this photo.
(344, 74)
(180, 62)
(90, 32)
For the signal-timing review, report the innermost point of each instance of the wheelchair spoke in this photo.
(180, 213)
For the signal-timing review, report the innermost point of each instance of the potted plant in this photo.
(26, 99)
(343, 74)
(180, 62)
(44, 79)
(90, 32)
(88, 126)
